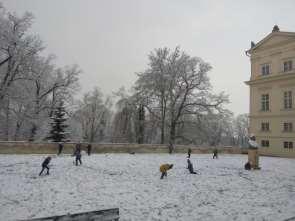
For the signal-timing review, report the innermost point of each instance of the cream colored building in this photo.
(272, 93)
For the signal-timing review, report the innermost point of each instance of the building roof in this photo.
(275, 32)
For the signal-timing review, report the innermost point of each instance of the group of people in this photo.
(253, 159)
(77, 154)
(253, 146)
(165, 167)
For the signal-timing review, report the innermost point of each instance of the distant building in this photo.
(272, 92)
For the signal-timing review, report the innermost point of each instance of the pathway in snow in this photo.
(222, 191)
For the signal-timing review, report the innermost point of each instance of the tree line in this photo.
(171, 102)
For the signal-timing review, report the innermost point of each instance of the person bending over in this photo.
(247, 166)
(190, 167)
(45, 165)
(164, 168)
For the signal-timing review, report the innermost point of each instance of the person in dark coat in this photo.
(45, 165)
(60, 148)
(248, 166)
(78, 154)
(189, 151)
(89, 147)
(164, 168)
(190, 167)
(215, 153)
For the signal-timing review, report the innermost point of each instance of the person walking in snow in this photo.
(45, 165)
(60, 148)
(189, 151)
(164, 168)
(190, 167)
(89, 147)
(77, 154)
(215, 153)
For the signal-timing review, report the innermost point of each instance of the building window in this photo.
(288, 66)
(288, 127)
(265, 143)
(265, 69)
(265, 102)
(265, 126)
(288, 99)
(288, 145)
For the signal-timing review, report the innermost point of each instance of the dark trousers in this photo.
(163, 174)
(78, 159)
(215, 156)
(43, 168)
(188, 155)
(89, 152)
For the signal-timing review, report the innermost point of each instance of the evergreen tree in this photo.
(58, 126)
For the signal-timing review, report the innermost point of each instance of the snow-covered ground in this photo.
(222, 191)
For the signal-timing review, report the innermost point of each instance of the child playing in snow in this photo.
(60, 147)
(45, 165)
(89, 147)
(248, 166)
(215, 153)
(190, 167)
(164, 168)
(78, 154)
(189, 151)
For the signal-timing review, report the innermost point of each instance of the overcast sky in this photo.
(110, 39)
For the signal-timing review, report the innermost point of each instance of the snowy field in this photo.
(222, 191)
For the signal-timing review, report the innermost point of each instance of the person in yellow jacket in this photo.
(164, 168)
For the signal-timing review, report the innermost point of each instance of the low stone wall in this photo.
(52, 148)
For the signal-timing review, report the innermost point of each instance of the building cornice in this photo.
(281, 115)
(267, 79)
(276, 137)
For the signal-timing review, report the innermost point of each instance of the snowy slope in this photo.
(222, 191)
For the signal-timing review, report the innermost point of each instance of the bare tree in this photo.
(241, 129)
(176, 85)
(123, 123)
(153, 86)
(93, 114)
(17, 48)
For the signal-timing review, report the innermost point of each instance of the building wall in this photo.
(274, 52)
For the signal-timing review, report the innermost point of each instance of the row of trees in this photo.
(31, 85)
(171, 101)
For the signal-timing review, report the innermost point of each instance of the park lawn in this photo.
(222, 190)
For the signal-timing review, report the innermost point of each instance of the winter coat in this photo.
(164, 168)
(190, 168)
(46, 161)
(78, 150)
(77, 153)
(247, 166)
